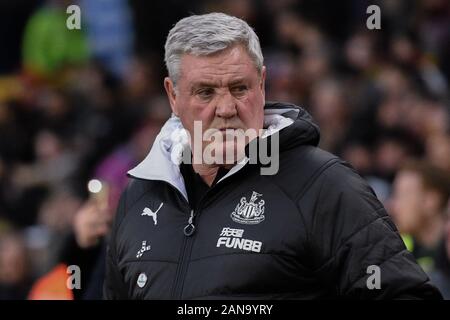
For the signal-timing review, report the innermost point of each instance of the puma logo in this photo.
(150, 213)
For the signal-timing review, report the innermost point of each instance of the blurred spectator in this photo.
(110, 33)
(392, 148)
(438, 151)
(418, 206)
(14, 280)
(330, 108)
(53, 165)
(48, 44)
(82, 247)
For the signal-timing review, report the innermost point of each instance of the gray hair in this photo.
(206, 34)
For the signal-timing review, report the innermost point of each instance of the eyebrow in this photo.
(236, 81)
(214, 84)
(204, 84)
(207, 84)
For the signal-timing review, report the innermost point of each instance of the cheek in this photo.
(414, 215)
(205, 114)
(191, 112)
(404, 210)
(251, 111)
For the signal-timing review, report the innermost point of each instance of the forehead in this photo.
(230, 63)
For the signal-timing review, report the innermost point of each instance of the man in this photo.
(419, 205)
(312, 229)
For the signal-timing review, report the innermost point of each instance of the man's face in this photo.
(223, 90)
(408, 202)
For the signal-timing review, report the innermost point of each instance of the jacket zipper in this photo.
(190, 227)
(188, 231)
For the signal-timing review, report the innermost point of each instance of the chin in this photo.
(230, 154)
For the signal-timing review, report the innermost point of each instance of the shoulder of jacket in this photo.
(135, 189)
(311, 156)
(300, 166)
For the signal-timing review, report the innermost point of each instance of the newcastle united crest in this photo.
(250, 212)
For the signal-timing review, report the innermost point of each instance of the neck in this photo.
(431, 233)
(207, 173)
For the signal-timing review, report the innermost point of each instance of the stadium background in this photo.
(83, 104)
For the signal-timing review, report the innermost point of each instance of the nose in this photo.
(226, 106)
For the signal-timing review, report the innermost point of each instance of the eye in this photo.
(205, 93)
(239, 90)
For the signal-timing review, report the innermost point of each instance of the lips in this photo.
(224, 129)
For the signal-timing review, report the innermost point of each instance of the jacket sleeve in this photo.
(114, 287)
(354, 244)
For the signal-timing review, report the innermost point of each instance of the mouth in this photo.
(225, 129)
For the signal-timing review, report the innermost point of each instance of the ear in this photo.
(263, 81)
(171, 94)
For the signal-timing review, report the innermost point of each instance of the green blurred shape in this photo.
(409, 242)
(49, 45)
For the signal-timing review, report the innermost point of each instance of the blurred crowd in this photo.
(82, 104)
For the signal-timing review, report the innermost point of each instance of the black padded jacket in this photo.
(315, 229)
